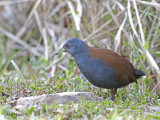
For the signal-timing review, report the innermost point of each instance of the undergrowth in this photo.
(131, 102)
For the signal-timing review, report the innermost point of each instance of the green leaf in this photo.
(31, 110)
(146, 46)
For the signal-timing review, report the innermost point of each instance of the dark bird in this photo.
(102, 67)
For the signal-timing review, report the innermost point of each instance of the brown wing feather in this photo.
(125, 72)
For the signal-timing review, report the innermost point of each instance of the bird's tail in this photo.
(139, 73)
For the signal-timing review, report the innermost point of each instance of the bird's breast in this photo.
(97, 72)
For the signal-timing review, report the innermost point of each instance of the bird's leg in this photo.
(113, 92)
(100, 91)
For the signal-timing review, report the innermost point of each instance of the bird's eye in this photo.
(67, 46)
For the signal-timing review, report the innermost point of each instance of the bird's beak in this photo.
(60, 51)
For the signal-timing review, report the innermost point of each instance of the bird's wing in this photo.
(124, 70)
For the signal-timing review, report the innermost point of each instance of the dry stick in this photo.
(57, 9)
(112, 14)
(148, 3)
(114, 18)
(97, 17)
(11, 2)
(93, 12)
(101, 27)
(23, 29)
(122, 25)
(154, 67)
(117, 39)
(155, 33)
(102, 33)
(129, 37)
(94, 21)
(62, 67)
(155, 87)
(53, 63)
(19, 41)
(139, 23)
(55, 58)
(43, 33)
(18, 70)
(38, 21)
(52, 35)
(118, 35)
(76, 17)
(45, 43)
(152, 28)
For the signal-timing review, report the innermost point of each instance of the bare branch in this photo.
(19, 41)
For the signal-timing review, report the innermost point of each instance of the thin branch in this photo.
(154, 4)
(44, 35)
(153, 65)
(11, 2)
(76, 17)
(155, 87)
(103, 26)
(19, 41)
(23, 29)
(57, 8)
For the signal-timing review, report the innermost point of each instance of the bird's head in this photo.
(73, 46)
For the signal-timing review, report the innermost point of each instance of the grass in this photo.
(132, 102)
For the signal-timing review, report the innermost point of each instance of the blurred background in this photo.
(34, 30)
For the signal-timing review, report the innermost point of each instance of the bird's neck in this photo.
(81, 52)
(82, 58)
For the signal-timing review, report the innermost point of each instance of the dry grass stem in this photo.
(11, 2)
(39, 28)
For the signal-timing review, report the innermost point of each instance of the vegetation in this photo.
(31, 31)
